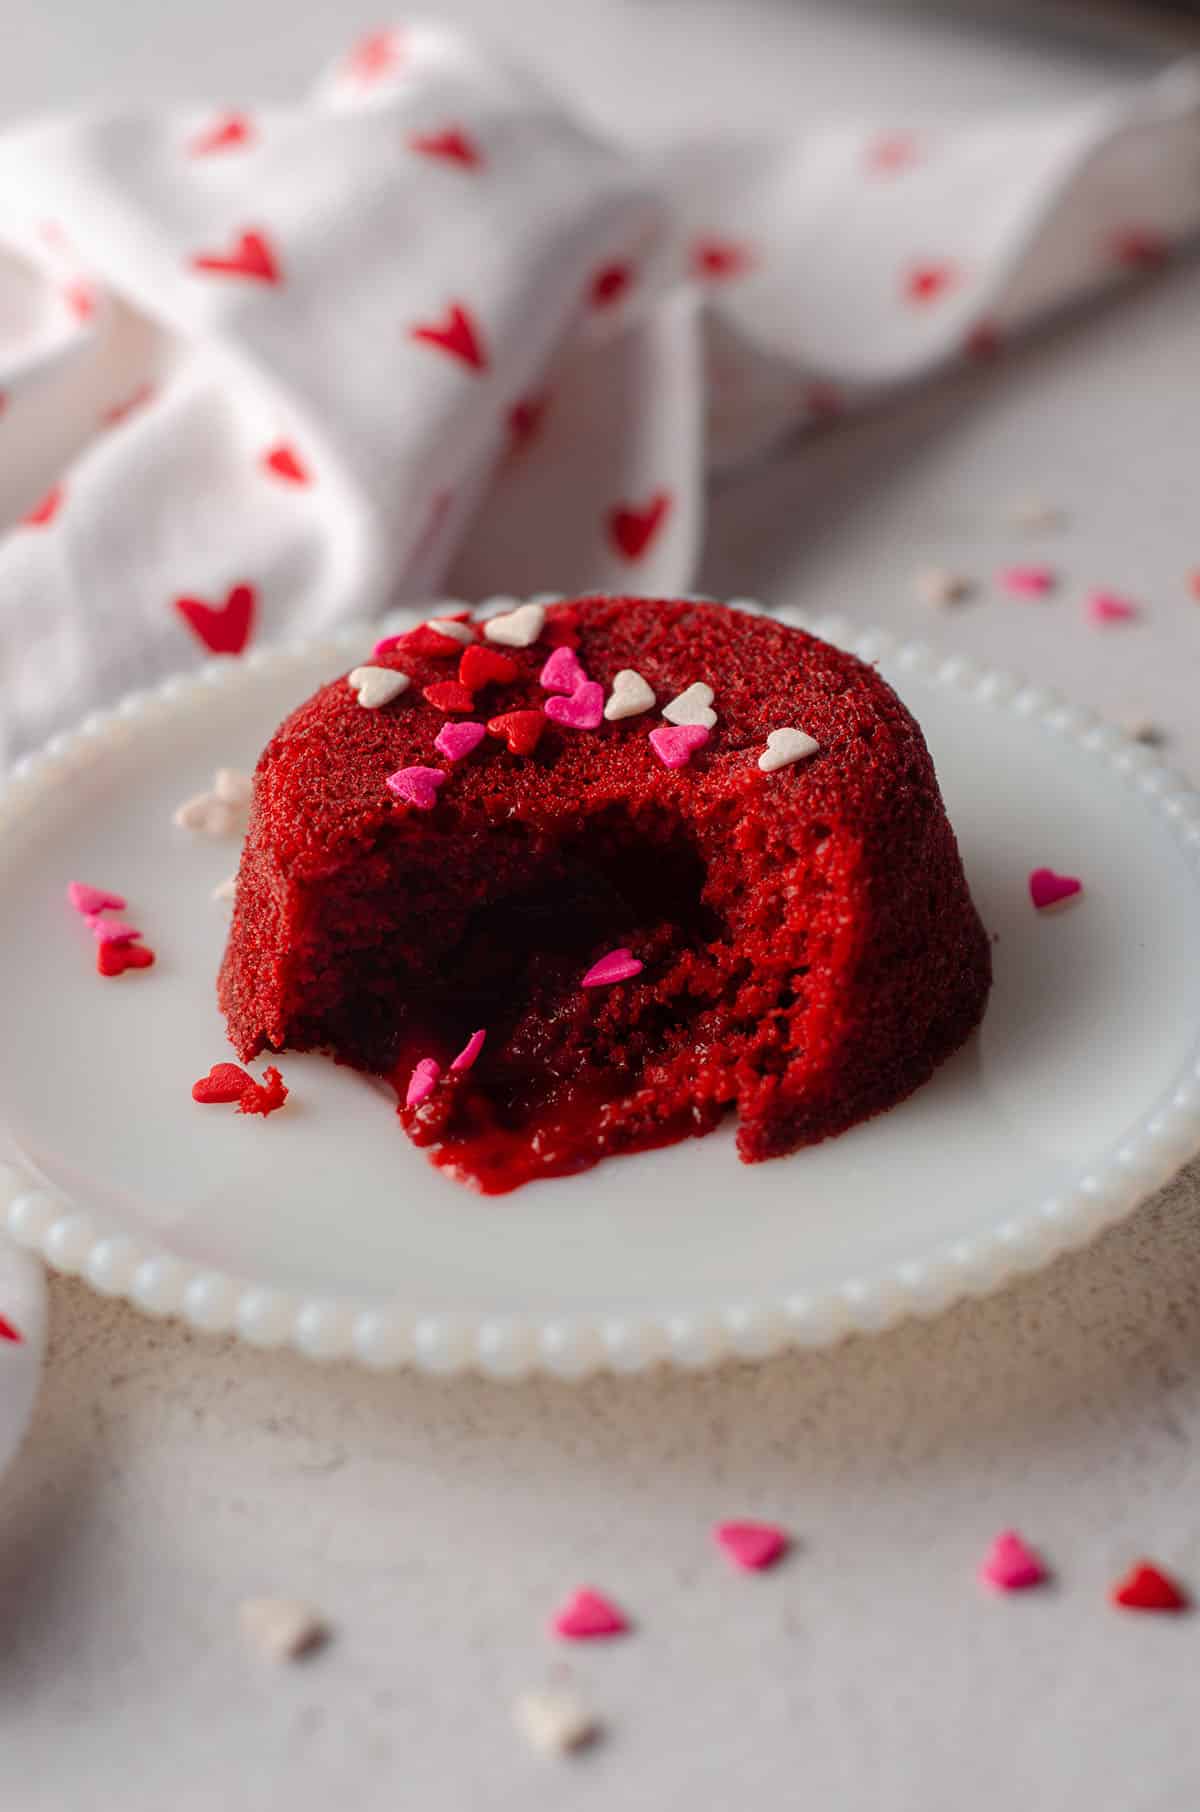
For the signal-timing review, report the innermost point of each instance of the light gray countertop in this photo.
(168, 1476)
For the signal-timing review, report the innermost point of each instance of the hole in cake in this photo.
(410, 969)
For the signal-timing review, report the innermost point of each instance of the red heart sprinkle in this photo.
(521, 730)
(285, 463)
(252, 257)
(9, 1332)
(456, 334)
(224, 1082)
(423, 640)
(1145, 1588)
(449, 695)
(610, 283)
(223, 628)
(452, 144)
(114, 959)
(632, 529)
(483, 666)
(45, 510)
(230, 130)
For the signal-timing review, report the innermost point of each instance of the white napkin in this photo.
(267, 370)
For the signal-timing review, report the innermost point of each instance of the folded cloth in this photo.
(264, 371)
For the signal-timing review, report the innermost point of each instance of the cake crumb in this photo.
(554, 1721)
(264, 1097)
(940, 585)
(282, 1628)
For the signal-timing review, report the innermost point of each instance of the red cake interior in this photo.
(810, 950)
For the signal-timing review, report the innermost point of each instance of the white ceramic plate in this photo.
(324, 1227)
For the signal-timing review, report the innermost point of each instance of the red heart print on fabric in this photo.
(983, 344)
(524, 420)
(374, 56)
(225, 134)
(225, 1082)
(892, 151)
(715, 260)
(452, 146)
(45, 510)
(223, 628)
(251, 257)
(824, 401)
(114, 959)
(631, 530)
(80, 298)
(9, 1332)
(112, 418)
(456, 334)
(285, 463)
(610, 283)
(927, 282)
(1140, 248)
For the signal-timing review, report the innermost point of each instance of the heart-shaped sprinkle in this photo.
(456, 740)
(1146, 1588)
(751, 1546)
(1011, 1565)
(9, 1332)
(416, 786)
(784, 747)
(588, 1614)
(518, 628)
(618, 966)
(233, 787)
(630, 696)
(207, 815)
(280, 1628)
(470, 1051)
(1109, 607)
(554, 1721)
(457, 628)
(114, 959)
(422, 1082)
(225, 890)
(449, 695)
(1027, 581)
(692, 706)
(583, 710)
(521, 730)
(563, 672)
(376, 686)
(91, 900)
(940, 585)
(482, 666)
(1048, 889)
(676, 744)
(112, 931)
(225, 1082)
(424, 639)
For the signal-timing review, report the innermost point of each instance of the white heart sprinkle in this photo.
(281, 1628)
(784, 747)
(458, 632)
(554, 1721)
(208, 816)
(226, 889)
(938, 586)
(375, 686)
(630, 695)
(520, 628)
(232, 787)
(692, 706)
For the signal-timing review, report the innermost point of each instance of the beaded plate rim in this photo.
(74, 1241)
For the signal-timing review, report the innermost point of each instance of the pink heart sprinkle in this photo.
(751, 1546)
(675, 744)
(112, 931)
(1108, 607)
(587, 1614)
(583, 710)
(422, 1082)
(456, 740)
(617, 966)
(1049, 889)
(1010, 1565)
(416, 786)
(1027, 581)
(470, 1051)
(91, 900)
(563, 672)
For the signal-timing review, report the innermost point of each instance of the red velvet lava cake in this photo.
(588, 877)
